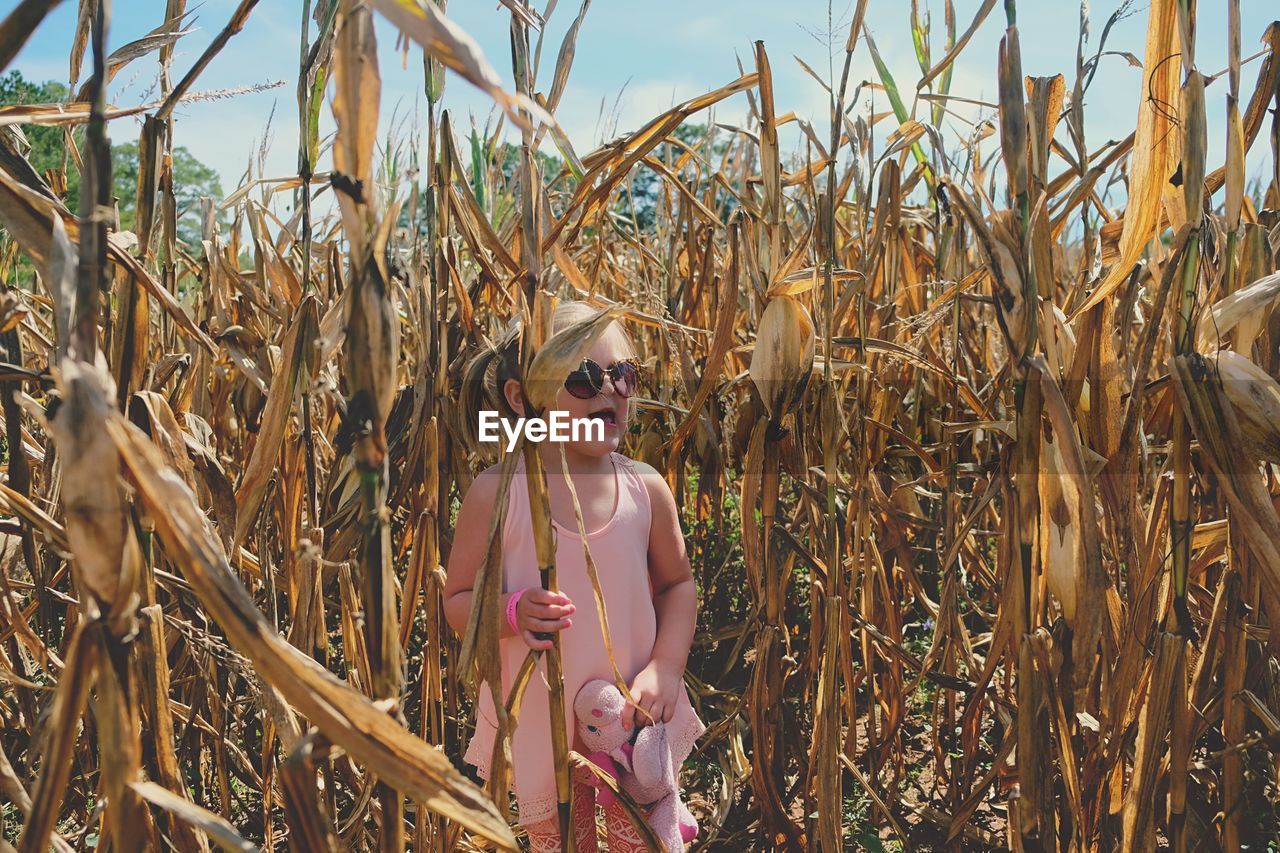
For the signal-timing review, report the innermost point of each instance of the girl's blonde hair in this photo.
(486, 373)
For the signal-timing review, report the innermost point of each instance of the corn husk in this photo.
(1061, 548)
(1013, 115)
(93, 504)
(1255, 396)
(783, 357)
(1240, 317)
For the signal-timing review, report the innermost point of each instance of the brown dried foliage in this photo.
(978, 475)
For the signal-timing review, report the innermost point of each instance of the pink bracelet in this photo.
(511, 610)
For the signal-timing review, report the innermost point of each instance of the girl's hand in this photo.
(541, 611)
(655, 691)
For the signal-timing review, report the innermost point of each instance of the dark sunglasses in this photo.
(588, 380)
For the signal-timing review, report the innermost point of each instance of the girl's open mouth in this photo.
(606, 415)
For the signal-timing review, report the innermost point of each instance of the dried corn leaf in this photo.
(562, 354)
(346, 717)
(289, 378)
(447, 43)
(63, 724)
(18, 25)
(1156, 148)
(357, 89)
(218, 828)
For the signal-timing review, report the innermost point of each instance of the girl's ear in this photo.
(514, 395)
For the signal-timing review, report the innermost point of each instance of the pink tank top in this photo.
(620, 550)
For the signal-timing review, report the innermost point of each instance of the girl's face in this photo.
(608, 407)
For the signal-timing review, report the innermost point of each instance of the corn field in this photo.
(978, 470)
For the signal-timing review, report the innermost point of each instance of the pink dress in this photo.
(620, 550)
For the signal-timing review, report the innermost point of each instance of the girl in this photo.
(634, 534)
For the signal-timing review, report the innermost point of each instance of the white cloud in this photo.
(699, 30)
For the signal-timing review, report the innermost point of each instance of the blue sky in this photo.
(634, 61)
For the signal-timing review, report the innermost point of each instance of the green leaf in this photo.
(920, 40)
(868, 840)
(895, 100)
(477, 169)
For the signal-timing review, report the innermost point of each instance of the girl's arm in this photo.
(675, 600)
(537, 610)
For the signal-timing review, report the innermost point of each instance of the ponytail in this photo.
(483, 380)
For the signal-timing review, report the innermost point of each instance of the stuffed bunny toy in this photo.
(640, 760)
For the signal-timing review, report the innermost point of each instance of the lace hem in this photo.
(536, 809)
(479, 758)
(681, 742)
(683, 732)
(531, 810)
(479, 752)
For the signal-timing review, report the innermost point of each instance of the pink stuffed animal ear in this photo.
(598, 710)
(651, 757)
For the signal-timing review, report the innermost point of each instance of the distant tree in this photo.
(507, 159)
(48, 147)
(647, 184)
(494, 177)
(191, 178)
